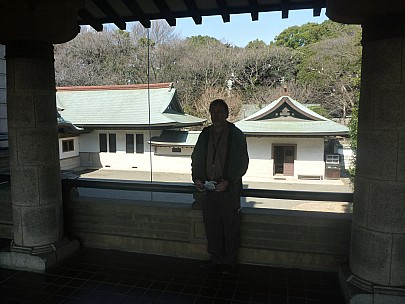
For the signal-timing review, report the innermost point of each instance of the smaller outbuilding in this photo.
(287, 139)
(112, 126)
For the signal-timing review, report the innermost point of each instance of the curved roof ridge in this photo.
(306, 109)
(276, 103)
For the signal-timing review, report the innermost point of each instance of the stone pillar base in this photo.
(358, 291)
(37, 259)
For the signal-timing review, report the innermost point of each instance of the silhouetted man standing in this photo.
(219, 161)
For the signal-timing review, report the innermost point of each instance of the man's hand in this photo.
(222, 185)
(199, 185)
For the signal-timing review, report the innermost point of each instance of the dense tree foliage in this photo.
(316, 63)
(301, 36)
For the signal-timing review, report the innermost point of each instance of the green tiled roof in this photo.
(123, 106)
(178, 138)
(312, 124)
(292, 127)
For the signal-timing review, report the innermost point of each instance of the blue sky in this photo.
(241, 29)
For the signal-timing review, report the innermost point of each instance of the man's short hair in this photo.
(219, 102)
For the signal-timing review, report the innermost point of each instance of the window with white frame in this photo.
(68, 145)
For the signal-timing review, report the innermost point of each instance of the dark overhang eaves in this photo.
(317, 8)
(87, 18)
(254, 13)
(284, 8)
(166, 11)
(195, 13)
(107, 9)
(223, 9)
(137, 12)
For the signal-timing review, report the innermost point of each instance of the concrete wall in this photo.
(306, 240)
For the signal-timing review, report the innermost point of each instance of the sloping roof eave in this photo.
(140, 126)
(170, 144)
(294, 134)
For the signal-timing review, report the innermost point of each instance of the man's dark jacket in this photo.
(236, 162)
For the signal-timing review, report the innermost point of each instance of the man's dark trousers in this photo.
(222, 219)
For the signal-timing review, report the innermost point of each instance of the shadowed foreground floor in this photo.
(110, 276)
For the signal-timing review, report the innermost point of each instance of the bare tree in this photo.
(264, 67)
(201, 108)
(160, 32)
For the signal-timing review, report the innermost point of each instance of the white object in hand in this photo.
(210, 185)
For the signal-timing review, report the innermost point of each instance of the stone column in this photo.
(377, 253)
(34, 159)
(39, 240)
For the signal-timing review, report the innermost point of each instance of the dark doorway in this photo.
(284, 160)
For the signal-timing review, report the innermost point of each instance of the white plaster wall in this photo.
(260, 162)
(140, 161)
(309, 160)
(89, 141)
(90, 155)
(310, 157)
(123, 160)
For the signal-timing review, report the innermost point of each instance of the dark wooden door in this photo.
(289, 160)
(284, 160)
(278, 160)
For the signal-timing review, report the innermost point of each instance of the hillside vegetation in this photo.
(317, 63)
